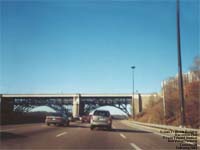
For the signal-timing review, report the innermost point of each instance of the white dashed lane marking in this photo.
(135, 146)
(61, 134)
(122, 135)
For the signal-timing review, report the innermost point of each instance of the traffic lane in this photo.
(24, 131)
(77, 136)
(82, 137)
(18, 126)
(35, 136)
(143, 138)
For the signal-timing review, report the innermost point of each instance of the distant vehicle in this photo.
(70, 117)
(76, 118)
(57, 119)
(101, 118)
(85, 118)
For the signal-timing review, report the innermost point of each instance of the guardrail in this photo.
(166, 127)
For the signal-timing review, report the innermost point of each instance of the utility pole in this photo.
(133, 105)
(180, 77)
(164, 104)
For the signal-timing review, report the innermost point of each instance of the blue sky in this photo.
(89, 46)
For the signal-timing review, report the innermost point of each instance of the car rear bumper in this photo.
(55, 121)
(100, 124)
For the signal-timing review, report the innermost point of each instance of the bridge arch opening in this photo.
(113, 110)
(42, 109)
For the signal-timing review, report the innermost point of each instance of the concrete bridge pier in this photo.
(76, 105)
(138, 104)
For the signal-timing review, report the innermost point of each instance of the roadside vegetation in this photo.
(154, 111)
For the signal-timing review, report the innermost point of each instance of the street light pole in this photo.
(133, 106)
(180, 78)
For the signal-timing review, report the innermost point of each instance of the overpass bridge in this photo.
(80, 103)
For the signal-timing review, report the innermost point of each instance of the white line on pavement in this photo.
(135, 146)
(61, 134)
(122, 135)
(147, 129)
(7, 130)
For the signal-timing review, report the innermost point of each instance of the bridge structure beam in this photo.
(81, 103)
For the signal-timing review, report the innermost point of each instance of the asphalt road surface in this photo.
(124, 135)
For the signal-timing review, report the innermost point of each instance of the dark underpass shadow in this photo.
(7, 135)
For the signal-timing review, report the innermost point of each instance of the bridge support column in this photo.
(76, 105)
(138, 104)
(81, 108)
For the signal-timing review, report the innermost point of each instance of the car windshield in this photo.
(102, 113)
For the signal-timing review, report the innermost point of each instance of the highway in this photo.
(79, 136)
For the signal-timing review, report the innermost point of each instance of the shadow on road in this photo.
(125, 130)
(78, 126)
(7, 135)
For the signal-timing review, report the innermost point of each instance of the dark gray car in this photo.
(57, 119)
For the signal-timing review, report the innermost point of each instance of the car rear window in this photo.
(102, 113)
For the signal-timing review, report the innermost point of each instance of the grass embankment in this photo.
(154, 111)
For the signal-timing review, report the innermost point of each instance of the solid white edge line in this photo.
(135, 146)
(122, 135)
(61, 134)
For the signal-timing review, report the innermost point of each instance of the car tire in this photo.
(91, 127)
(48, 124)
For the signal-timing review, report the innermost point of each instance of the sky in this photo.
(113, 110)
(89, 46)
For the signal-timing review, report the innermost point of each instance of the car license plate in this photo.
(102, 119)
(54, 119)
